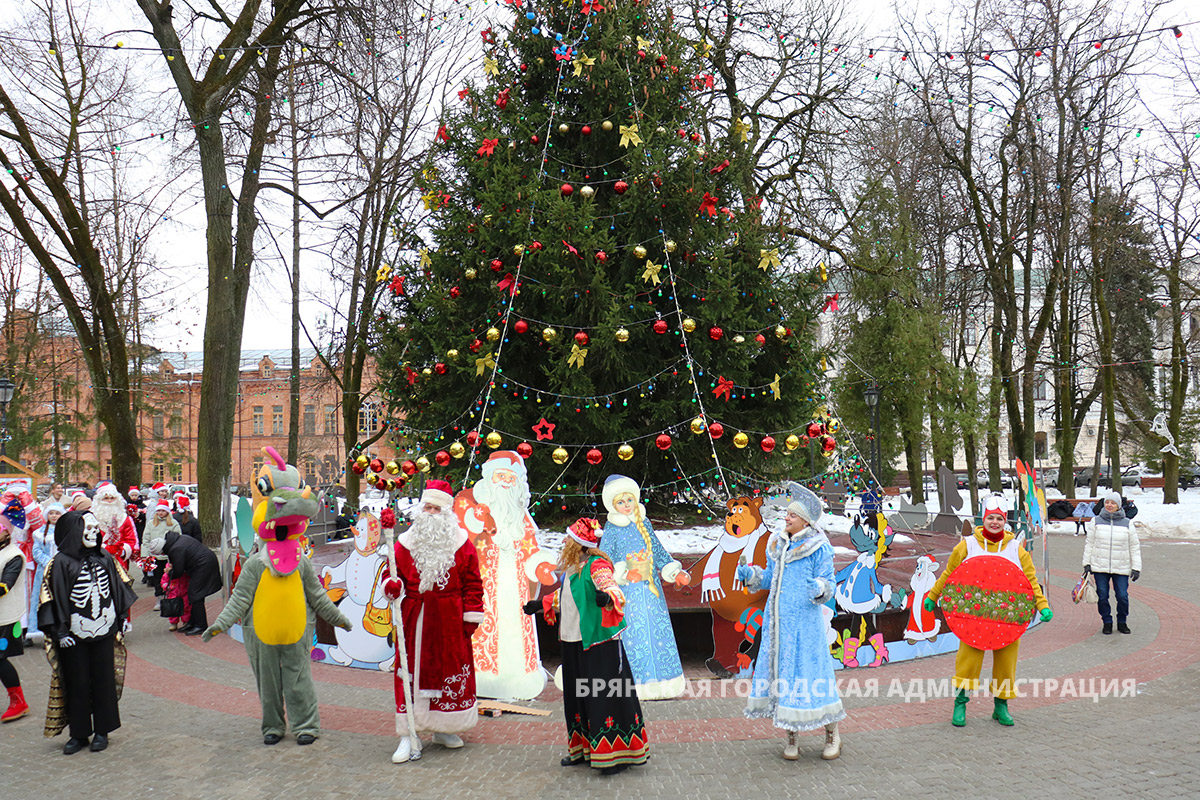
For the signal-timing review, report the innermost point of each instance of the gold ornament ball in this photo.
(493, 334)
(518, 249)
(622, 335)
(834, 425)
(426, 372)
(698, 425)
(470, 273)
(564, 128)
(423, 464)
(624, 452)
(606, 125)
(549, 334)
(493, 440)
(827, 453)
(457, 450)
(792, 442)
(559, 455)
(362, 461)
(639, 251)
(660, 129)
(738, 339)
(670, 245)
(689, 325)
(451, 353)
(586, 191)
(392, 468)
(390, 485)
(780, 332)
(740, 440)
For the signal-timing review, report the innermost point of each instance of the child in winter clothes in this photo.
(43, 550)
(1113, 554)
(159, 524)
(173, 588)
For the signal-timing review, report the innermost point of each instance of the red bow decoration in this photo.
(831, 302)
(564, 55)
(397, 285)
(489, 145)
(590, 7)
(508, 284)
(702, 82)
(410, 375)
(724, 387)
(719, 167)
(502, 99)
(489, 36)
(571, 247)
(709, 205)
(388, 518)
(462, 93)
(443, 134)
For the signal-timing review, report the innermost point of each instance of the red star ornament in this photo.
(544, 430)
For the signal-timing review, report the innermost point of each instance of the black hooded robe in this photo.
(86, 684)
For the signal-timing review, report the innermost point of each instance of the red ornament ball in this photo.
(663, 442)
(601, 256)
(475, 345)
(567, 190)
(715, 333)
(534, 139)
(473, 438)
(828, 444)
(497, 265)
(661, 61)
(660, 326)
(454, 292)
(760, 339)
(620, 187)
(442, 459)
(814, 430)
(408, 468)
(358, 470)
(582, 339)
(524, 449)
(536, 245)
(521, 326)
(439, 368)
(767, 444)
(641, 54)
(376, 465)
(695, 137)
(594, 456)
(585, 130)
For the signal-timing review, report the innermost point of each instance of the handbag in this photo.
(171, 607)
(1085, 589)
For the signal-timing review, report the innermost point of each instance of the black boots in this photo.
(1107, 629)
(1123, 628)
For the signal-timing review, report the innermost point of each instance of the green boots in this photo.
(959, 719)
(1000, 713)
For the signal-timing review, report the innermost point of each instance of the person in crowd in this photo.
(120, 536)
(605, 726)
(188, 524)
(793, 680)
(1113, 554)
(79, 501)
(1127, 505)
(55, 497)
(136, 508)
(86, 597)
(438, 575)
(155, 565)
(197, 570)
(13, 606)
(43, 550)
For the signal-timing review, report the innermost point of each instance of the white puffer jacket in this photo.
(1112, 545)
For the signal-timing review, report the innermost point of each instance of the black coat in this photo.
(189, 525)
(54, 617)
(189, 557)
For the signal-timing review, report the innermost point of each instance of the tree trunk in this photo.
(294, 376)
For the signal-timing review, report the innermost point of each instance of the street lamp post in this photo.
(7, 388)
(871, 396)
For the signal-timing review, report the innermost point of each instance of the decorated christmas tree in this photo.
(599, 291)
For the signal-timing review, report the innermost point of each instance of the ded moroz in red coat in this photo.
(436, 636)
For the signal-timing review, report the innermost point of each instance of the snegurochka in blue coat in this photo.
(641, 565)
(793, 676)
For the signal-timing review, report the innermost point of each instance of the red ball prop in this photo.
(408, 468)
(715, 333)
(988, 602)
(524, 449)
(585, 130)
(497, 265)
(567, 190)
(814, 429)
(660, 326)
(582, 339)
(521, 326)
(473, 438)
(376, 465)
(439, 368)
(594, 456)
(767, 444)
(455, 292)
(760, 339)
(357, 470)
(828, 444)
(442, 459)
(663, 442)
(620, 187)
(716, 430)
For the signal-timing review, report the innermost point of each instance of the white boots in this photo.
(404, 752)
(791, 750)
(451, 741)
(833, 743)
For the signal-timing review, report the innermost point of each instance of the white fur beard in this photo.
(507, 507)
(109, 515)
(433, 543)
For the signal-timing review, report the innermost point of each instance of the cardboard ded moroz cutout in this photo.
(362, 600)
(495, 515)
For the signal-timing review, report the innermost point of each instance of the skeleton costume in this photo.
(84, 601)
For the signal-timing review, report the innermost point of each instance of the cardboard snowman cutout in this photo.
(364, 601)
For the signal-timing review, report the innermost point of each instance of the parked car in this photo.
(961, 481)
(1049, 478)
(1189, 476)
(1007, 480)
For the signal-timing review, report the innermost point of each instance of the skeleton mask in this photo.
(91, 531)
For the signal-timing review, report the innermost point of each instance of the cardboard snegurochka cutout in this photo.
(275, 598)
(989, 594)
(642, 565)
(736, 613)
(362, 600)
(495, 515)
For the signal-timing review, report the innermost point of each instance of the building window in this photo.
(330, 421)
(258, 422)
(108, 469)
(156, 426)
(310, 420)
(177, 470)
(1040, 388)
(366, 418)
(310, 470)
(158, 472)
(258, 462)
(176, 427)
(1039, 444)
(277, 419)
(970, 334)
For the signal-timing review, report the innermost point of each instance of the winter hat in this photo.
(807, 505)
(158, 487)
(505, 459)
(437, 492)
(182, 501)
(56, 507)
(134, 491)
(158, 546)
(614, 487)
(107, 490)
(1114, 496)
(586, 531)
(995, 502)
(163, 505)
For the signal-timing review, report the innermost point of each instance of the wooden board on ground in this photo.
(492, 708)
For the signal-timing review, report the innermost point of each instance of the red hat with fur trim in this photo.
(586, 531)
(437, 492)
